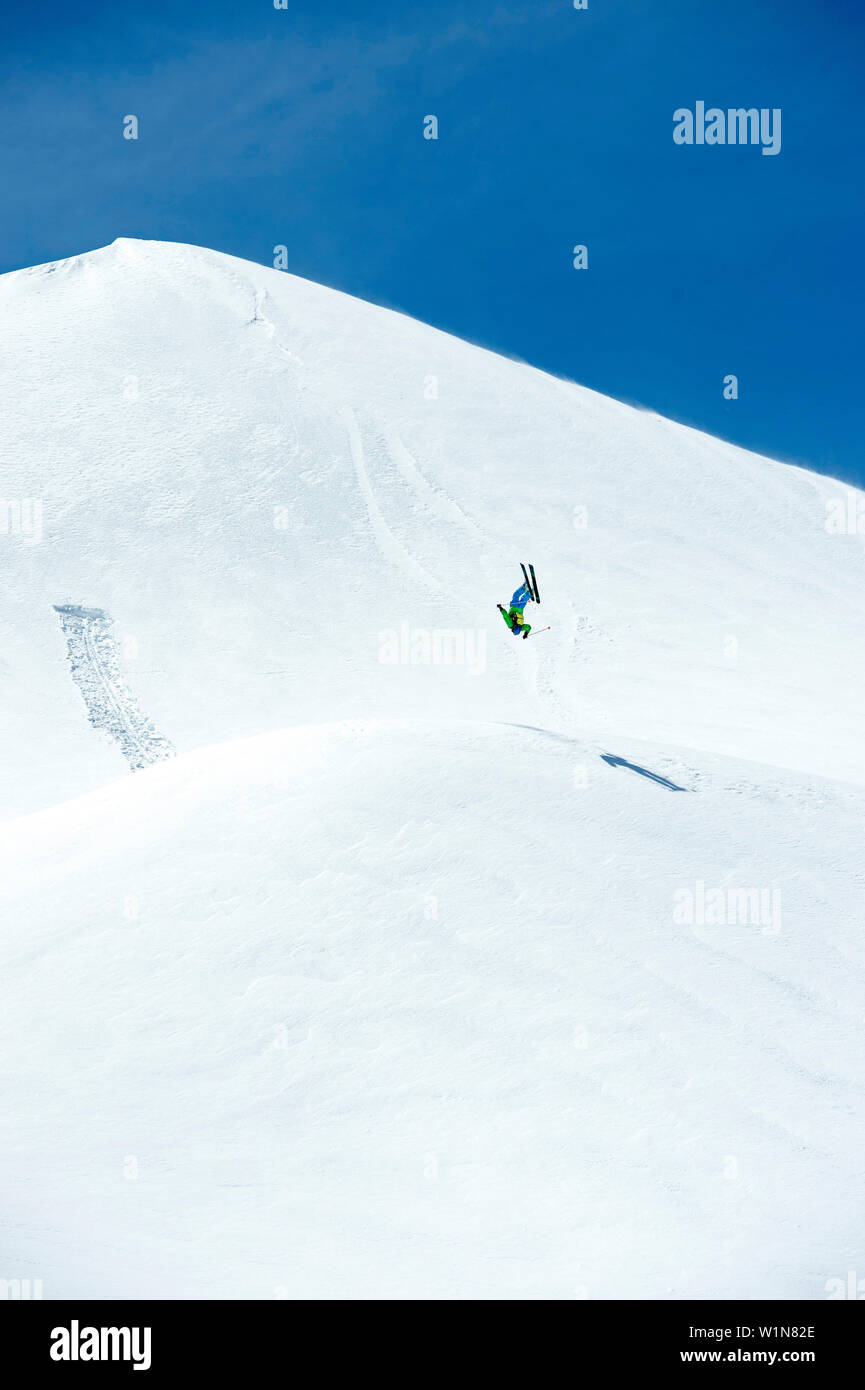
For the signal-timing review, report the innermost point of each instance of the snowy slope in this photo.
(351, 1043)
(280, 491)
(403, 977)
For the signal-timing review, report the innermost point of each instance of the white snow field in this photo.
(414, 960)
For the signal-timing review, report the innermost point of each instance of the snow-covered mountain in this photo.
(413, 959)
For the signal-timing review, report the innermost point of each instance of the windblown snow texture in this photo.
(111, 706)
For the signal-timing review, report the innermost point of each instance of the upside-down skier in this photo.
(513, 615)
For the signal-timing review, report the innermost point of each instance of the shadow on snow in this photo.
(608, 758)
(643, 771)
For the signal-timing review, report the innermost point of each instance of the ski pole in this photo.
(536, 630)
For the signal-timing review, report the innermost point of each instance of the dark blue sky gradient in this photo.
(304, 127)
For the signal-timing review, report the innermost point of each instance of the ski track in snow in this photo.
(390, 547)
(437, 501)
(260, 319)
(92, 652)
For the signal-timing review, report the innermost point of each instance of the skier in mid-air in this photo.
(513, 616)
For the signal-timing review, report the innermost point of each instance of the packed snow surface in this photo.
(410, 959)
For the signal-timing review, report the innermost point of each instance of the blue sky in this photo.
(303, 127)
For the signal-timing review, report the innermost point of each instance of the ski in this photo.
(526, 578)
(534, 584)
